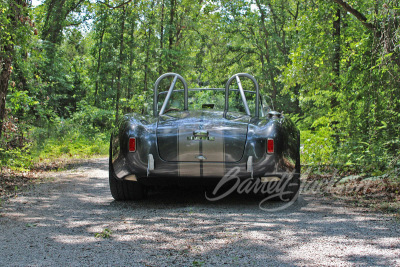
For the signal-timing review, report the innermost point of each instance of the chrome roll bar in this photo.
(246, 107)
(186, 90)
(171, 88)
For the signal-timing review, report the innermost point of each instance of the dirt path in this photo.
(55, 224)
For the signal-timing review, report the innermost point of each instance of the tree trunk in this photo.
(119, 71)
(266, 54)
(53, 29)
(336, 70)
(171, 63)
(160, 67)
(361, 17)
(57, 12)
(131, 56)
(6, 58)
(146, 63)
(336, 58)
(4, 78)
(133, 16)
(98, 65)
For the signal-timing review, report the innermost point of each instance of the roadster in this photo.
(199, 135)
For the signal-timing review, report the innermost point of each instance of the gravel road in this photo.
(55, 224)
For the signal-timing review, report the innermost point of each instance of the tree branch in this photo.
(74, 7)
(355, 13)
(115, 7)
(297, 11)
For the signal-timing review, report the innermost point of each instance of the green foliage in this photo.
(196, 263)
(67, 82)
(14, 145)
(21, 102)
(317, 147)
(69, 139)
(63, 139)
(16, 25)
(91, 119)
(74, 145)
(138, 103)
(16, 158)
(363, 125)
(106, 233)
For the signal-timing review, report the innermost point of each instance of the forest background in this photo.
(68, 68)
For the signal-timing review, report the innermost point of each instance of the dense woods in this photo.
(69, 68)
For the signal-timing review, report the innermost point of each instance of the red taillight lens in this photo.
(270, 145)
(132, 144)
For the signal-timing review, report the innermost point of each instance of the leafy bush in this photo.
(73, 144)
(324, 144)
(92, 119)
(317, 147)
(16, 158)
(81, 136)
(14, 145)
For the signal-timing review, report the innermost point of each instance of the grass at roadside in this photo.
(13, 182)
(380, 193)
(21, 168)
(76, 146)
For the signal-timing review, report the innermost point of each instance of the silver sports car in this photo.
(200, 136)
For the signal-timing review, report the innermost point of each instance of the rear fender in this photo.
(282, 130)
(143, 129)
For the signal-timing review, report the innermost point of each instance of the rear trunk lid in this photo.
(192, 136)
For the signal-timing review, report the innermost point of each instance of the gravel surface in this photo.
(55, 224)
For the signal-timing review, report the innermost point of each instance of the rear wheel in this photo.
(125, 190)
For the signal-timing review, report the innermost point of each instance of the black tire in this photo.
(125, 190)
